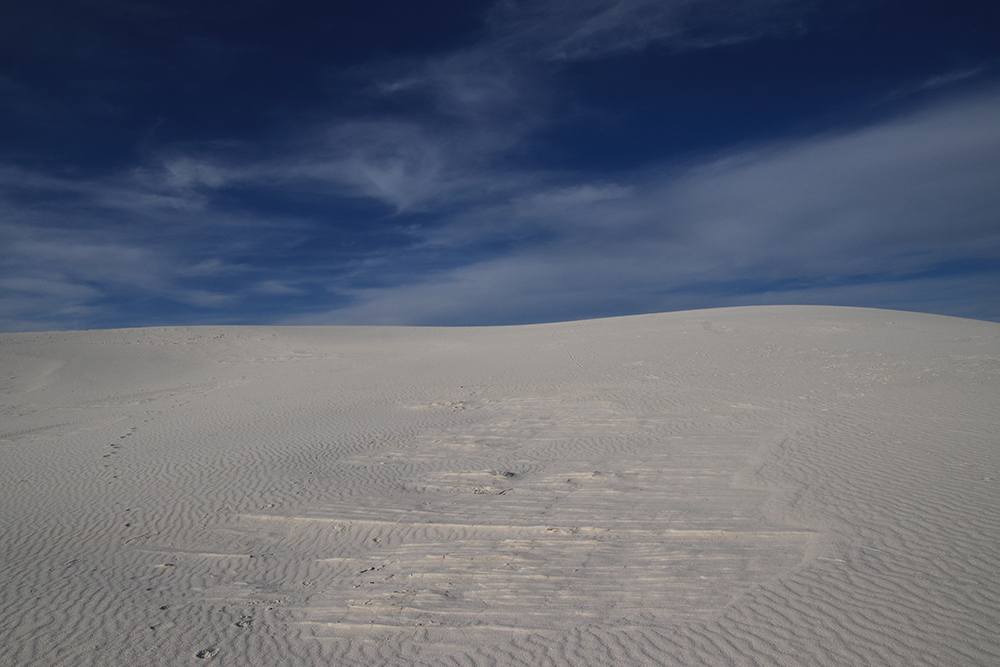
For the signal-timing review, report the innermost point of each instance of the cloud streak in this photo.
(424, 200)
(567, 30)
(879, 204)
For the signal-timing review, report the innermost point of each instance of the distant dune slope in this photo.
(746, 486)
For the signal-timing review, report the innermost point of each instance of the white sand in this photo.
(749, 486)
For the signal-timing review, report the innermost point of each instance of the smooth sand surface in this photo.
(746, 486)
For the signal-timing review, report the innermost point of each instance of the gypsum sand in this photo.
(742, 486)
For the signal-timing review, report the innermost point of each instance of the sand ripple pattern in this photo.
(757, 486)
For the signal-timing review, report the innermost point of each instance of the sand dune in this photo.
(748, 486)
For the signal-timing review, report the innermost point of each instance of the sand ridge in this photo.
(771, 485)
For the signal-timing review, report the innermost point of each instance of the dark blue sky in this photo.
(375, 162)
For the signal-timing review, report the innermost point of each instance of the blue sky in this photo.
(477, 163)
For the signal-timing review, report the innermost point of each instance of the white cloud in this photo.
(464, 110)
(277, 287)
(586, 29)
(888, 201)
(58, 274)
(934, 82)
(184, 172)
(885, 202)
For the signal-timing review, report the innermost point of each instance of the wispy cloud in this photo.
(937, 81)
(436, 125)
(418, 203)
(79, 252)
(433, 126)
(585, 29)
(874, 205)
